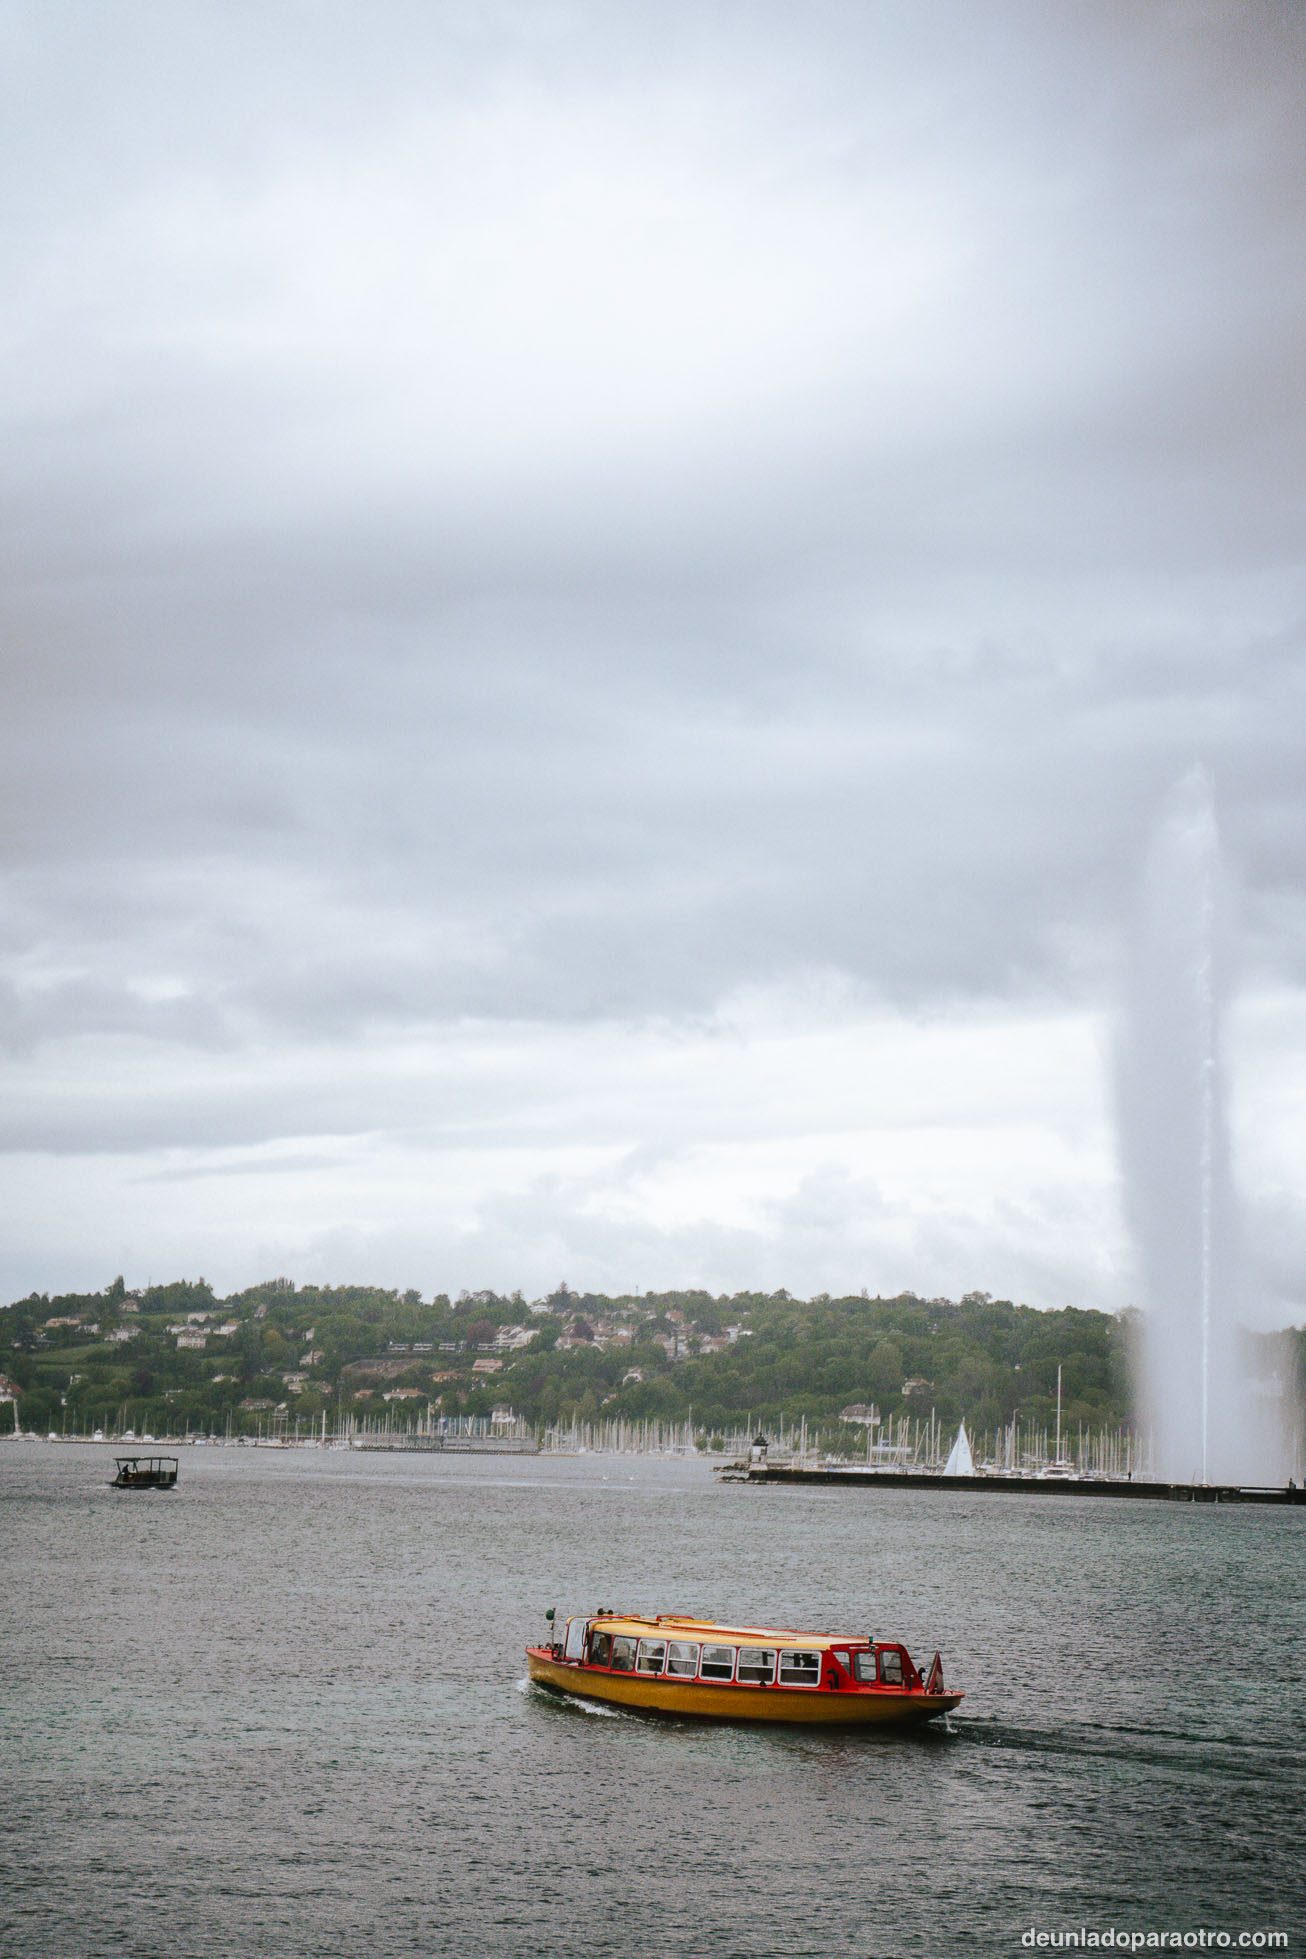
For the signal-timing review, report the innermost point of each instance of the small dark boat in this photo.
(145, 1473)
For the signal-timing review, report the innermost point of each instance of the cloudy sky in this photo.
(599, 602)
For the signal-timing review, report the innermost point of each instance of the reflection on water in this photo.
(282, 1712)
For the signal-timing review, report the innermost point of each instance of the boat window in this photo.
(682, 1658)
(652, 1652)
(864, 1668)
(756, 1665)
(576, 1630)
(623, 1654)
(601, 1649)
(799, 1669)
(718, 1663)
(891, 1667)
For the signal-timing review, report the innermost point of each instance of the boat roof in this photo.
(680, 1625)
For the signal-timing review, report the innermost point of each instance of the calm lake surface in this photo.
(282, 1712)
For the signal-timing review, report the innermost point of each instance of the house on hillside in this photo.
(863, 1414)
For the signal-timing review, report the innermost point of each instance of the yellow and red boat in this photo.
(675, 1664)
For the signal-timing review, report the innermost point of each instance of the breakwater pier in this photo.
(872, 1480)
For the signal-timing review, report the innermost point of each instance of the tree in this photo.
(39, 1410)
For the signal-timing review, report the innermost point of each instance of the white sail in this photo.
(960, 1462)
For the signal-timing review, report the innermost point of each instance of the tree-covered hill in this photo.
(173, 1358)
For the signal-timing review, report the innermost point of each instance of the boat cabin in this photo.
(697, 1650)
(145, 1473)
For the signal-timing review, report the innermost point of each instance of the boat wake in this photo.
(571, 1703)
(1231, 1756)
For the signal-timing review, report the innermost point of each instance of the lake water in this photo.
(282, 1712)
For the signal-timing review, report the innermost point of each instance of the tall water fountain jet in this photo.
(1206, 1420)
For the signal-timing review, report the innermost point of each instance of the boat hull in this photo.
(699, 1701)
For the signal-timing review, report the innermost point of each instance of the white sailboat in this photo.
(960, 1462)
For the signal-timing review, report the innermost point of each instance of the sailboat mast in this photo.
(1058, 1454)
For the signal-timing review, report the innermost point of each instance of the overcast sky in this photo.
(599, 602)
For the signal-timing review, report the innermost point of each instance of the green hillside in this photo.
(174, 1358)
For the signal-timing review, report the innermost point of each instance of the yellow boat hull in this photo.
(697, 1700)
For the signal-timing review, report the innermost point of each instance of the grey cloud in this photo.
(933, 827)
(548, 673)
(833, 1232)
(286, 1163)
(87, 1006)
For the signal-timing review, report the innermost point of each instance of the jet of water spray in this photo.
(1175, 1157)
(1207, 859)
